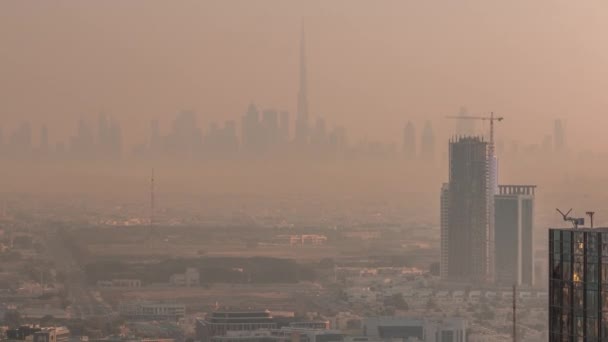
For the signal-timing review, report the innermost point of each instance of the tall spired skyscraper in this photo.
(302, 131)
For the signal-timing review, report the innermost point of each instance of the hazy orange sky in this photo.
(372, 64)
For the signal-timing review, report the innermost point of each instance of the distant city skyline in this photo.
(368, 69)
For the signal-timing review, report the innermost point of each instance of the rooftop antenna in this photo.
(576, 221)
(590, 214)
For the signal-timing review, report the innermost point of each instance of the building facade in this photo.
(53, 334)
(221, 322)
(514, 229)
(405, 329)
(444, 219)
(578, 284)
(190, 278)
(152, 310)
(467, 212)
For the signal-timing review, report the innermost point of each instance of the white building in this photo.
(119, 283)
(191, 278)
(152, 310)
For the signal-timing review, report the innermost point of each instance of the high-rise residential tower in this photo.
(466, 234)
(514, 232)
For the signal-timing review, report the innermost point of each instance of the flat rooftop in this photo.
(583, 229)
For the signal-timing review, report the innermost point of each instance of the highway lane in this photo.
(83, 302)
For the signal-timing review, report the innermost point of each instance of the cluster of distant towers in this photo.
(263, 133)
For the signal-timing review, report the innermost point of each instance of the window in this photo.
(591, 273)
(566, 296)
(591, 303)
(604, 273)
(592, 244)
(579, 243)
(604, 299)
(566, 271)
(605, 325)
(567, 323)
(605, 244)
(555, 319)
(578, 300)
(556, 293)
(578, 273)
(591, 329)
(557, 267)
(578, 326)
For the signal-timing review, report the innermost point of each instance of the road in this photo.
(83, 302)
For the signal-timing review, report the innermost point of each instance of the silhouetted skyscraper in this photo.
(302, 129)
(155, 139)
(465, 127)
(427, 147)
(338, 140)
(82, 145)
(409, 141)
(44, 140)
(319, 134)
(514, 232)
(185, 139)
(466, 212)
(251, 130)
(284, 126)
(20, 143)
(270, 129)
(115, 140)
(558, 136)
(547, 145)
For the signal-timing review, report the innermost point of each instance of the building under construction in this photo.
(467, 221)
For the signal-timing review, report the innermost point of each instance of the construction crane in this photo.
(490, 118)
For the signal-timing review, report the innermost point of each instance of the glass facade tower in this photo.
(578, 284)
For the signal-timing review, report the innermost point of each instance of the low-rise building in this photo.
(35, 333)
(190, 278)
(219, 323)
(285, 334)
(119, 283)
(54, 334)
(322, 325)
(389, 328)
(152, 310)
